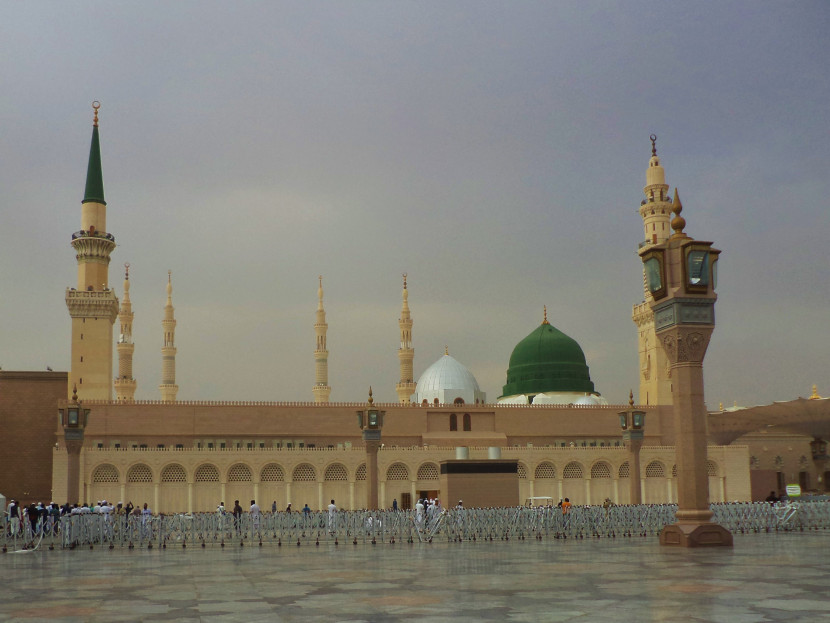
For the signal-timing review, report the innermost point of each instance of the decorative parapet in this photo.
(92, 303)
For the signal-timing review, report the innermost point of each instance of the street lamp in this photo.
(632, 423)
(681, 277)
(73, 419)
(370, 422)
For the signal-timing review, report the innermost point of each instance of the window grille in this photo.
(397, 471)
(173, 473)
(711, 468)
(625, 470)
(304, 473)
(545, 470)
(206, 473)
(336, 471)
(572, 470)
(655, 470)
(272, 473)
(522, 471)
(105, 473)
(428, 471)
(140, 473)
(601, 470)
(360, 474)
(239, 473)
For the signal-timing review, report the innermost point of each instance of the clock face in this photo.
(653, 277)
(698, 265)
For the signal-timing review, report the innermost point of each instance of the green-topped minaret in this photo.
(92, 306)
(94, 191)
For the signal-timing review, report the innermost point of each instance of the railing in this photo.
(362, 527)
(95, 234)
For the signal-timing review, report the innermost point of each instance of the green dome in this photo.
(547, 360)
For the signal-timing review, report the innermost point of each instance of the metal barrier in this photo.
(362, 527)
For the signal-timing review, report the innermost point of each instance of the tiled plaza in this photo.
(765, 577)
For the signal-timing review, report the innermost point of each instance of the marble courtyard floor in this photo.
(765, 577)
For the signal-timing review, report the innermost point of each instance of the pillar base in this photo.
(701, 534)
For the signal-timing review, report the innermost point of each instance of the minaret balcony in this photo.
(83, 233)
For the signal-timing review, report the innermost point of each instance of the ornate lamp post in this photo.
(73, 419)
(681, 275)
(818, 448)
(371, 423)
(633, 423)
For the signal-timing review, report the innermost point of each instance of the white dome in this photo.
(447, 380)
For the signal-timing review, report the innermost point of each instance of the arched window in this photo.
(601, 470)
(304, 473)
(239, 473)
(521, 471)
(206, 473)
(545, 470)
(397, 471)
(453, 421)
(140, 473)
(335, 471)
(105, 473)
(173, 473)
(467, 423)
(272, 473)
(360, 474)
(655, 469)
(428, 471)
(625, 470)
(572, 470)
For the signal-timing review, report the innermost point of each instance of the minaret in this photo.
(406, 386)
(321, 387)
(655, 210)
(168, 386)
(125, 383)
(92, 306)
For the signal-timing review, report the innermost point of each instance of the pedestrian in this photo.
(332, 517)
(255, 515)
(395, 504)
(274, 506)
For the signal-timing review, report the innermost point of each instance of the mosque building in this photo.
(190, 455)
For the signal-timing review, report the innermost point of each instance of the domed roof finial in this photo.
(545, 313)
(126, 270)
(371, 400)
(814, 395)
(404, 281)
(653, 138)
(446, 349)
(678, 222)
(631, 391)
(74, 393)
(95, 106)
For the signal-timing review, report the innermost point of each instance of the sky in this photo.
(493, 151)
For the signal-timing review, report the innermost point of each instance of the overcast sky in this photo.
(494, 151)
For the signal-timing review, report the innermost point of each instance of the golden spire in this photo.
(371, 400)
(678, 222)
(653, 138)
(126, 280)
(446, 349)
(814, 395)
(631, 391)
(320, 293)
(95, 106)
(721, 407)
(404, 281)
(545, 312)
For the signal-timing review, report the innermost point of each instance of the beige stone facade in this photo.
(191, 480)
